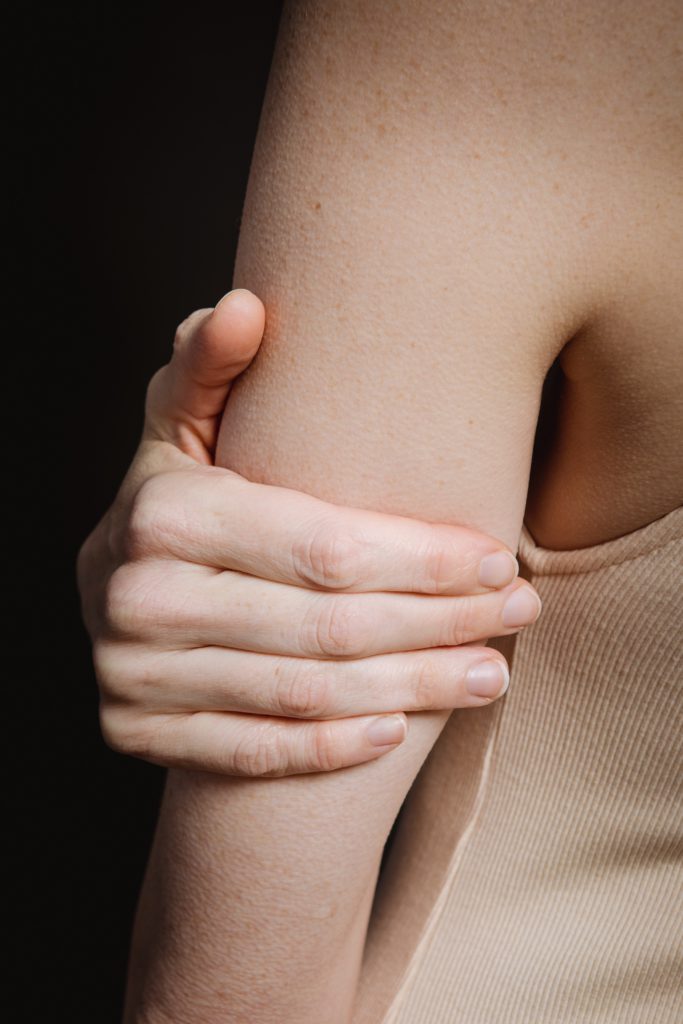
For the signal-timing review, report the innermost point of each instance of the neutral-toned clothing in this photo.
(536, 873)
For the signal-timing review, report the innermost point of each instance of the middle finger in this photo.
(230, 609)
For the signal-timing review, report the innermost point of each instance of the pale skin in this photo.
(485, 202)
(216, 606)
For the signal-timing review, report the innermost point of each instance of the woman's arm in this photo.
(193, 671)
(420, 271)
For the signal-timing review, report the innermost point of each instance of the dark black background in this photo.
(134, 133)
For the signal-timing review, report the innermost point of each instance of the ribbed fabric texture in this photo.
(536, 876)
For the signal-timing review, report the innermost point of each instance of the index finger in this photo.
(216, 517)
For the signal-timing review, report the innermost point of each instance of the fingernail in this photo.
(487, 679)
(522, 608)
(386, 731)
(233, 291)
(498, 570)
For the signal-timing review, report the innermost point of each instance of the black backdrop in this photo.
(136, 127)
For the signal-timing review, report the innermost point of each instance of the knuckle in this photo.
(463, 620)
(118, 604)
(444, 561)
(107, 663)
(436, 568)
(122, 734)
(304, 691)
(428, 684)
(130, 601)
(181, 333)
(143, 521)
(186, 329)
(157, 517)
(262, 756)
(328, 557)
(325, 753)
(126, 676)
(112, 734)
(155, 387)
(335, 628)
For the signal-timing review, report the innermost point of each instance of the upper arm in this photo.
(414, 227)
(441, 198)
(420, 269)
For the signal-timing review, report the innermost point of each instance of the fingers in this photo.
(190, 606)
(215, 517)
(219, 679)
(211, 348)
(250, 746)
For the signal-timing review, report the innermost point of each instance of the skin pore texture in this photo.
(443, 201)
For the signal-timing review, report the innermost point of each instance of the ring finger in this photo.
(220, 679)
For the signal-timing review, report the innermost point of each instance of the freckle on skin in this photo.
(316, 206)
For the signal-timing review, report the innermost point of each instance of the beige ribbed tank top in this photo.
(536, 873)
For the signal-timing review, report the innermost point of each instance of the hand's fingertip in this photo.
(387, 730)
(522, 606)
(488, 680)
(237, 292)
(498, 569)
(236, 326)
(243, 303)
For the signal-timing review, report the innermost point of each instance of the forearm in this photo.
(258, 892)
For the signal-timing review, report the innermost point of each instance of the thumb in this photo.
(213, 346)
